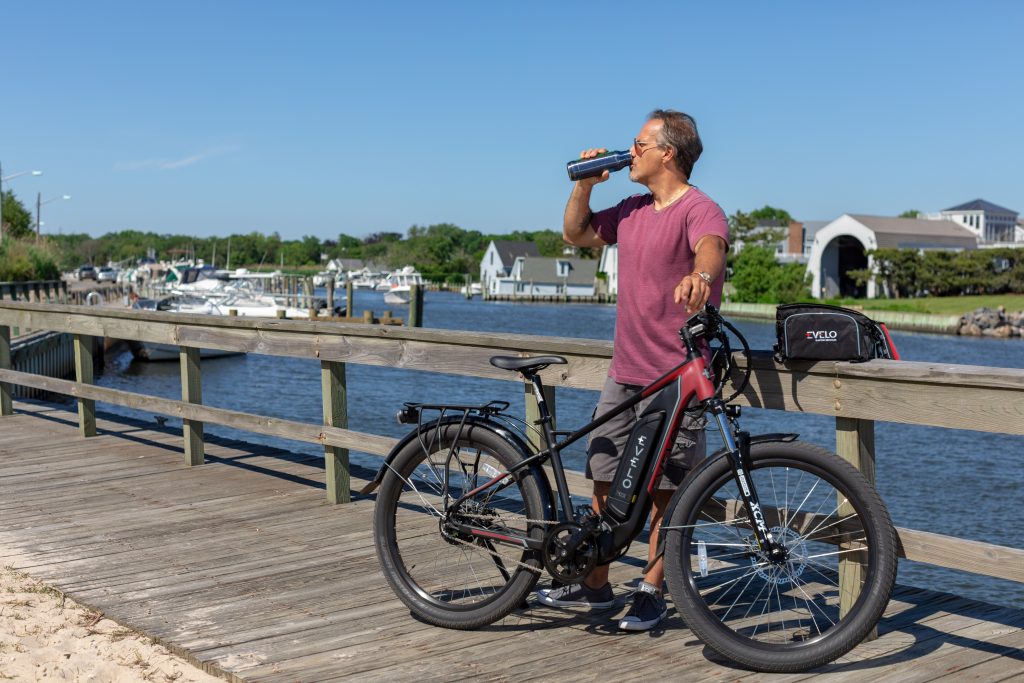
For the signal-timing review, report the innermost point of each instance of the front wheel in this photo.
(445, 576)
(796, 614)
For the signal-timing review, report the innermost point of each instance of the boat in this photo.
(471, 290)
(238, 297)
(179, 303)
(399, 285)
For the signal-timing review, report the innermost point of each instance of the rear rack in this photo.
(412, 413)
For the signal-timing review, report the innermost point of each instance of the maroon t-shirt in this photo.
(655, 252)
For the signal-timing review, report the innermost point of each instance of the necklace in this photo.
(671, 201)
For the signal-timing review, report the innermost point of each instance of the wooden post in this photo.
(855, 443)
(335, 402)
(416, 306)
(368, 317)
(330, 296)
(192, 392)
(281, 315)
(84, 375)
(533, 413)
(349, 289)
(6, 402)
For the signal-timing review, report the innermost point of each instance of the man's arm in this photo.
(576, 228)
(709, 257)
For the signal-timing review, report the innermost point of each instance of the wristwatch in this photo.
(703, 276)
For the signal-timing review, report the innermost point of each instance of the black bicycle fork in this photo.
(738, 450)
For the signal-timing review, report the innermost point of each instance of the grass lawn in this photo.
(939, 305)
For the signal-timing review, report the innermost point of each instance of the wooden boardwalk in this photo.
(240, 566)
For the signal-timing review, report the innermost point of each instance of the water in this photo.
(954, 482)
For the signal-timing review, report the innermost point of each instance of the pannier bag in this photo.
(823, 332)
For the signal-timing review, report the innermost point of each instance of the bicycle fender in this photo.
(477, 422)
(754, 439)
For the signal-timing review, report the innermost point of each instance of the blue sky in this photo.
(211, 118)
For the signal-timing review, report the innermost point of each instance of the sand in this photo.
(46, 636)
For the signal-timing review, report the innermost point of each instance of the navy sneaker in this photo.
(578, 595)
(648, 609)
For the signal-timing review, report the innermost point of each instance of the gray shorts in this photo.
(607, 441)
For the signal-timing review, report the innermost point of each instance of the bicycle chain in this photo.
(475, 546)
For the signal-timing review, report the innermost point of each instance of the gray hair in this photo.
(679, 131)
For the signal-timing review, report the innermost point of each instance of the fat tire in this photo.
(838, 640)
(432, 611)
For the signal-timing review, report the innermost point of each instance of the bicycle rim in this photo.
(821, 524)
(446, 570)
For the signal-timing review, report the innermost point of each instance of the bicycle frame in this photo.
(689, 381)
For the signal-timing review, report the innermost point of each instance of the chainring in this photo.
(564, 564)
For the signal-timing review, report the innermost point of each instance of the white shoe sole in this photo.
(542, 598)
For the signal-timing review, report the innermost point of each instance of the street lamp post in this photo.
(2, 179)
(39, 204)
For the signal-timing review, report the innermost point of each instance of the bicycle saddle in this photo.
(527, 366)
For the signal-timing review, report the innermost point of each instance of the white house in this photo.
(841, 246)
(992, 224)
(609, 265)
(496, 265)
(537, 275)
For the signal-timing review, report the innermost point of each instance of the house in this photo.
(498, 261)
(842, 246)
(609, 265)
(993, 225)
(541, 276)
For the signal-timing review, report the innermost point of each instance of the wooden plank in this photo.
(855, 443)
(335, 409)
(288, 429)
(83, 375)
(283, 587)
(6, 404)
(191, 392)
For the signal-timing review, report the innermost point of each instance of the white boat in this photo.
(399, 285)
(471, 290)
(154, 351)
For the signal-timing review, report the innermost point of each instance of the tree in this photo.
(770, 213)
(760, 228)
(910, 213)
(17, 220)
(759, 278)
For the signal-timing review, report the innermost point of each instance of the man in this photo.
(672, 247)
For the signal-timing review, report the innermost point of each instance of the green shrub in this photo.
(759, 278)
(22, 260)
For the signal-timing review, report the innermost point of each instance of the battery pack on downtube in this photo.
(635, 464)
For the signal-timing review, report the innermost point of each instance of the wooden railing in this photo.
(953, 396)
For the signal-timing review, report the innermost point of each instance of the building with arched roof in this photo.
(842, 245)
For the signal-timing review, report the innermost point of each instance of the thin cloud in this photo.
(174, 164)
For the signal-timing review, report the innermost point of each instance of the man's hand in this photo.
(693, 291)
(594, 180)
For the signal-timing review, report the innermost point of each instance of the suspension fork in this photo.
(738, 452)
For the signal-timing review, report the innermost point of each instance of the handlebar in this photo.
(709, 325)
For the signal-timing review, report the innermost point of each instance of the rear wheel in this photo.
(781, 616)
(445, 576)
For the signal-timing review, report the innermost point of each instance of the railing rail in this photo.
(953, 396)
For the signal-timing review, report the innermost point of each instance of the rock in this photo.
(1003, 331)
(969, 329)
(986, 318)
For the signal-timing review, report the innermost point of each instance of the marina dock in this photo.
(241, 566)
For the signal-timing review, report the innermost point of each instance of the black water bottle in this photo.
(588, 168)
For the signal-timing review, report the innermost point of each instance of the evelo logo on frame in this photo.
(822, 335)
